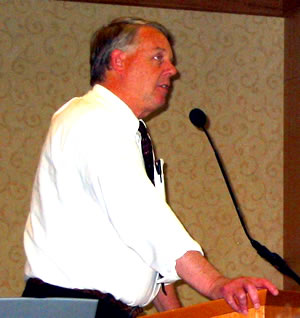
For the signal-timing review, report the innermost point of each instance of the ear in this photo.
(117, 58)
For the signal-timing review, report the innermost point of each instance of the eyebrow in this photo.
(161, 49)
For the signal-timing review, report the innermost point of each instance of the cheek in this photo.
(138, 73)
(143, 76)
(145, 81)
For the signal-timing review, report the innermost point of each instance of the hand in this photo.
(235, 291)
(170, 301)
(201, 275)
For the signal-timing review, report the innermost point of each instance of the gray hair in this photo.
(119, 34)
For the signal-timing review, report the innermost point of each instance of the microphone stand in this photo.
(274, 259)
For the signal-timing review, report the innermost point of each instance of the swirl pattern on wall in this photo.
(231, 66)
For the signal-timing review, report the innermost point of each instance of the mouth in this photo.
(164, 86)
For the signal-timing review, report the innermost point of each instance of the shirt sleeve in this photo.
(114, 172)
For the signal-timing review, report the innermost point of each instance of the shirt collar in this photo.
(124, 115)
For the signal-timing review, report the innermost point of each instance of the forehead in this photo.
(152, 39)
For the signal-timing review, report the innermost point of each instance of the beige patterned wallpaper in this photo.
(231, 66)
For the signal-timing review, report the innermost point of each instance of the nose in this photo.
(174, 70)
(171, 69)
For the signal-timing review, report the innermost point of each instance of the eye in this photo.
(159, 58)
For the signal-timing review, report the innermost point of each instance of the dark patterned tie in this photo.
(148, 160)
(147, 151)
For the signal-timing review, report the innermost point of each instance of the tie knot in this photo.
(147, 151)
(143, 129)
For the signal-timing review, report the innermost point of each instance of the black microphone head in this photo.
(198, 117)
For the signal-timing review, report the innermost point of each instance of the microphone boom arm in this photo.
(228, 184)
(274, 259)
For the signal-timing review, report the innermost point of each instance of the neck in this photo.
(119, 89)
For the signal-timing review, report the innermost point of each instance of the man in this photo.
(99, 225)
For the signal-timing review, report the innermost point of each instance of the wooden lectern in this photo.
(285, 305)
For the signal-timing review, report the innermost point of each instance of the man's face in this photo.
(148, 71)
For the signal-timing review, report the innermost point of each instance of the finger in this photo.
(241, 298)
(253, 295)
(262, 283)
(271, 287)
(232, 303)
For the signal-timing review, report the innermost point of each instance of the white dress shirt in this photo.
(96, 220)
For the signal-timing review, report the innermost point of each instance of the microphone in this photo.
(198, 119)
